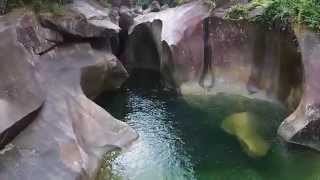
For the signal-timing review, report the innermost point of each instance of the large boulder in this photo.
(84, 19)
(21, 97)
(60, 134)
(302, 126)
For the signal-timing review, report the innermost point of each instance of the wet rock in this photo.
(83, 19)
(245, 127)
(302, 126)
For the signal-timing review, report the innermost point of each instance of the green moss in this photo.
(281, 11)
(105, 172)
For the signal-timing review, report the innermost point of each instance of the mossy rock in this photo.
(245, 126)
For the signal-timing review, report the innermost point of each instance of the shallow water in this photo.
(182, 139)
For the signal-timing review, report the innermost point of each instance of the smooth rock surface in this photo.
(198, 54)
(66, 134)
(20, 93)
(85, 19)
(302, 126)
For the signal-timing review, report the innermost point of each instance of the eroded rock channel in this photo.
(199, 95)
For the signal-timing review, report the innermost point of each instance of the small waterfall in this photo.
(206, 79)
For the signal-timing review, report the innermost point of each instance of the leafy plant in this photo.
(238, 12)
(282, 11)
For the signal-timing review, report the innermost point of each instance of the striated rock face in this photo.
(60, 134)
(157, 31)
(302, 126)
(198, 53)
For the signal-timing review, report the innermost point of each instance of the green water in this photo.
(182, 139)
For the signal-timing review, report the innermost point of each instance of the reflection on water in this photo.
(183, 139)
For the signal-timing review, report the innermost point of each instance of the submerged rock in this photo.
(245, 127)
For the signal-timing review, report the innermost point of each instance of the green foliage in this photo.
(53, 6)
(238, 12)
(283, 11)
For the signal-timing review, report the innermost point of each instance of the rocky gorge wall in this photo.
(200, 52)
(53, 66)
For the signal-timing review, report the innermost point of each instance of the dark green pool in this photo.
(183, 140)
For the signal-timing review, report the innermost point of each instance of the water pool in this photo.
(182, 139)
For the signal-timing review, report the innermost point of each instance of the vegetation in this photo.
(284, 11)
(54, 6)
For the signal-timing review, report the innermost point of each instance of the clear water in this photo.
(182, 139)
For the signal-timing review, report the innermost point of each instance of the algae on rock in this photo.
(245, 127)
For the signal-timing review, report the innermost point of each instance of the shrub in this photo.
(283, 11)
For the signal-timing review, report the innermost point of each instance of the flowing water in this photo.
(182, 139)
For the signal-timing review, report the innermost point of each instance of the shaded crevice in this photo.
(98, 43)
(142, 50)
(8, 135)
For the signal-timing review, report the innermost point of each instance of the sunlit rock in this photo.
(244, 126)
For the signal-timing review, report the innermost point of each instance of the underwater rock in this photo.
(244, 126)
